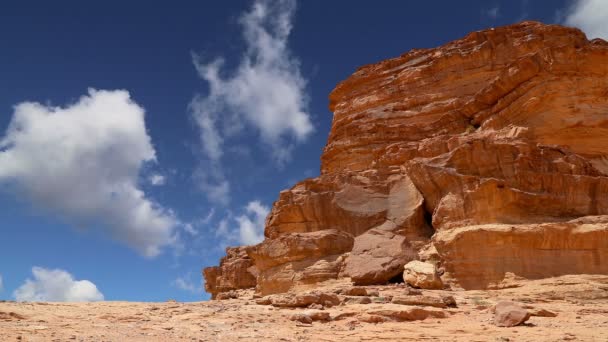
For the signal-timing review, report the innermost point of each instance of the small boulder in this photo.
(422, 275)
(317, 315)
(302, 318)
(509, 314)
(449, 301)
(309, 316)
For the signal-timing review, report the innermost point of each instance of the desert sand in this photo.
(580, 305)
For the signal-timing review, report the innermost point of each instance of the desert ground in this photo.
(578, 303)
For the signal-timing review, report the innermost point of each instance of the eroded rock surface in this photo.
(236, 271)
(487, 156)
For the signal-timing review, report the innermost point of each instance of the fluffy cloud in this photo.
(591, 16)
(56, 286)
(82, 162)
(265, 92)
(251, 224)
(247, 229)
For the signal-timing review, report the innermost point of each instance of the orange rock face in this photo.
(236, 271)
(487, 156)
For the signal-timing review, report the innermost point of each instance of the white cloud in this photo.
(251, 225)
(248, 227)
(56, 286)
(157, 179)
(591, 16)
(185, 283)
(266, 92)
(82, 162)
(1, 284)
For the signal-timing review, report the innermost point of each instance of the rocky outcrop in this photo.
(299, 259)
(487, 156)
(479, 257)
(236, 271)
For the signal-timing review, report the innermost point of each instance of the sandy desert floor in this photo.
(580, 302)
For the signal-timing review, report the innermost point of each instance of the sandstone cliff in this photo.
(486, 156)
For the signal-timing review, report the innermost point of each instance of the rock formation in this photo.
(236, 272)
(486, 156)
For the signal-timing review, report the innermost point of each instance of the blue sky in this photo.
(137, 141)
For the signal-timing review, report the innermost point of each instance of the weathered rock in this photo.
(534, 251)
(400, 314)
(299, 258)
(409, 106)
(302, 300)
(309, 316)
(236, 271)
(526, 183)
(422, 275)
(509, 314)
(496, 143)
(382, 210)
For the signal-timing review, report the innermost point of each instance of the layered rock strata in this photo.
(486, 156)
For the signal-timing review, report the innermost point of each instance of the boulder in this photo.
(509, 314)
(422, 275)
